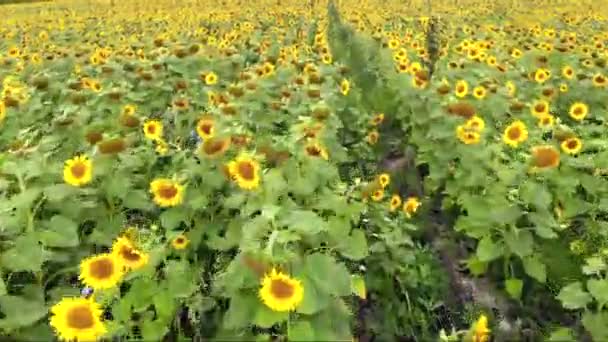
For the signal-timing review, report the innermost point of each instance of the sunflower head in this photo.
(395, 203)
(280, 292)
(314, 149)
(180, 242)
(128, 255)
(572, 145)
(546, 121)
(153, 129)
(344, 87)
(205, 127)
(462, 88)
(539, 108)
(210, 78)
(578, 111)
(384, 180)
(411, 205)
(545, 157)
(377, 195)
(372, 137)
(78, 171)
(214, 147)
(167, 193)
(101, 271)
(245, 171)
(515, 134)
(76, 318)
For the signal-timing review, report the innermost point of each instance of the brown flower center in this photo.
(180, 240)
(80, 317)
(546, 157)
(151, 129)
(514, 133)
(102, 268)
(540, 108)
(214, 146)
(281, 289)
(572, 144)
(206, 127)
(78, 170)
(246, 170)
(313, 151)
(167, 191)
(578, 111)
(129, 254)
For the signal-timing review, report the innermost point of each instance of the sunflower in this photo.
(2, 110)
(246, 172)
(384, 180)
(215, 147)
(314, 149)
(546, 121)
(78, 171)
(539, 108)
(541, 75)
(377, 119)
(568, 72)
(544, 157)
(153, 129)
(395, 203)
(181, 104)
(372, 137)
(205, 127)
(161, 147)
(479, 92)
(515, 134)
(563, 88)
(462, 88)
(467, 136)
(572, 145)
(511, 88)
(344, 87)
(167, 193)
(130, 257)
(377, 195)
(280, 292)
(75, 318)
(475, 123)
(599, 80)
(101, 271)
(480, 331)
(180, 242)
(129, 109)
(210, 78)
(578, 111)
(410, 206)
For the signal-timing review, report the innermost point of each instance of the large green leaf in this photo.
(304, 222)
(26, 255)
(319, 266)
(60, 232)
(599, 290)
(535, 268)
(595, 324)
(20, 312)
(355, 246)
(488, 250)
(573, 296)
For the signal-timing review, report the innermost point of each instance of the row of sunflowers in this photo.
(277, 169)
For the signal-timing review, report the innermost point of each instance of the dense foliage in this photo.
(304, 170)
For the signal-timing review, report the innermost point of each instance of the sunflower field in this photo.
(304, 170)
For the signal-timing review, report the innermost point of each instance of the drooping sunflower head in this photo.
(245, 171)
(546, 121)
(395, 203)
(515, 134)
(344, 87)
(128, 255)
(316, 150)
(205, 127)
(78, 171)
(372, 137)
(540, 107)
(280, 292)
(462, 88)
(180, 242)
(411, 205)
(78, 319)
(101, 271)
(545, 157)
(167, 192)
(153, 129)
(377, 119)
(578, 111)
(572, 145)
(214, 147)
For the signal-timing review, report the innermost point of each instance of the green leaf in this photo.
(595, 324)
(599, 290)
(304, 222)
(487, 250)
(562, 335)
(535, 194)
(355, 246)
(137, 199)
(164, 304)
(26, 255)
(358, 286)
(519, 242)
(514, 287)
(61, 232)
(476, 266)
(266, 318)
(300, 331)
(171, 218)
(153, 330)
(594, 265)
(318, 266)
(313, 300)
(535, 269)
(24, 200)
(180, 279)
(20, 312)
(573, 296)
(240, 311)
(57, 192)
